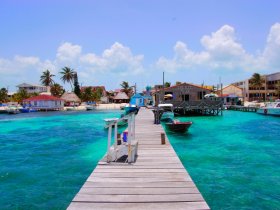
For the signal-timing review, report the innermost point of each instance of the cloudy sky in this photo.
(109, 41)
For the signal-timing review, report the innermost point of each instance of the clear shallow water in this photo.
(46, 157)
(234, 159)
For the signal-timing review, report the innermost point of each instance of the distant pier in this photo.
(242, 108)
(156, 180)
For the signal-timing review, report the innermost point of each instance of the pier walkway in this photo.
(157, 180)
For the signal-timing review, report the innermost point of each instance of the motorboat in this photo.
(90, 107)
(177, 126)
(130, 108)
(168, 113)
(70, 108)
(121, 122)
(12, 110)
(270, 108)
(27, 109)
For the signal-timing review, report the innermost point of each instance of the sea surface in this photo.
(234, 159)
(45, 158)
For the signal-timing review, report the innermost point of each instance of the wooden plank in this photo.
(138, 198)
(173, 184)
(138, 179)
(137, 191)
(139, 206)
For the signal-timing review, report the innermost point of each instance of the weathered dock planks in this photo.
(157, 180)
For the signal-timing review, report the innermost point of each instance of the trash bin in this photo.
(125, 133)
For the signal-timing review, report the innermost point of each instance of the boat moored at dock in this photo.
(270, 108)
(177, 126)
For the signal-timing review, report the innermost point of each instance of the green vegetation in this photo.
(256, 82)
(167, 84)
(57, 90)
(68, 75)
(126, 88)
(3, 95)
(46, 78)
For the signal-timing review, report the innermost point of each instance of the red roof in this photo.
(43, 98)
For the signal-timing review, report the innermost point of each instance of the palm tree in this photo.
(46, 78)
(3, 95)
(167, 84)
(68, 75)
(126, 88)
(256, 81)
(57, 90)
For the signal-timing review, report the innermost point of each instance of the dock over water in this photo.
(157, 180)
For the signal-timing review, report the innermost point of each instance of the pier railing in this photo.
(130, 138)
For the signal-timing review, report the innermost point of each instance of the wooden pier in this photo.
(157, 179)
(242, 108)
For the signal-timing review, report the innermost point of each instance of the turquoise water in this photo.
(234, 159)
(46, 157)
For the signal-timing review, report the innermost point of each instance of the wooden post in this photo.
(116, 135)
(109, 143)
(129, 140)
(162, 136)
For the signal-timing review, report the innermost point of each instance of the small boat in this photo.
(130, 108)
(270, 108)
(12, 110)
(27, 109)
(122, 122)
(70, 108)
(90, 107)
(168, 113)
(178, 126)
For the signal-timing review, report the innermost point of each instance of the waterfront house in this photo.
(71, 99)
(231, 95)
(180, 93)
(31, 88)
(189, 98)
(44, 102)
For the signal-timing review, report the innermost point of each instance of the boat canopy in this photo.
(165, 105)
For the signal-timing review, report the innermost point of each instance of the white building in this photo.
(31, 88)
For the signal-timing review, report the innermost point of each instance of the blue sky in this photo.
(110, 41)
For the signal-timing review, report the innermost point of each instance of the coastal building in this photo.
(189, 98)
(44, 102)
(121, 97)
(71, 99)
(231, 94)
(269, 89)
(31, 88)
(140, 99)
(180, 93)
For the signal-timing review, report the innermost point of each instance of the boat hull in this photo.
(180, 127)
(167, 116)
(269, 111)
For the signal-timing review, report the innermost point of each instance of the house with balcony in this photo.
(32, 88)
(268, 90)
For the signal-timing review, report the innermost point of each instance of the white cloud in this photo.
(67, 52)
(271, 54)
(116, 59)
(222, 51)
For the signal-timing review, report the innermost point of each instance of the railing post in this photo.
(116, 135)
(109, 142)
(129, 140)
(133, 126)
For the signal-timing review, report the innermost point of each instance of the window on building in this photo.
(186, 97)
